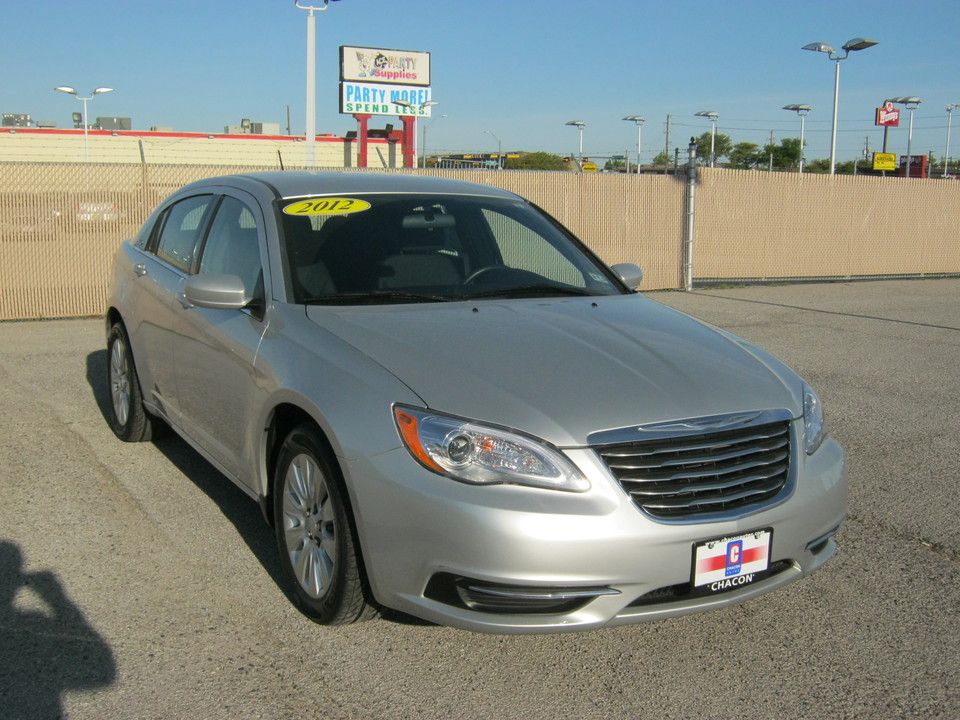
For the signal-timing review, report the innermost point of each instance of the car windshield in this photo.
(381, 248)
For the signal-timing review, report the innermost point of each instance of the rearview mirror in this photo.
(630, 275)
(219, 292)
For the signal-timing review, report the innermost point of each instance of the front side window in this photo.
(232, 246)
(423, 248)
(180, 231)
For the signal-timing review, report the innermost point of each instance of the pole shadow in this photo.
(47, 647)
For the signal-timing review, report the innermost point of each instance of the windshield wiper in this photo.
(538, 290)
(375, 297)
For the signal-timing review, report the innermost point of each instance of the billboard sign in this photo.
(884, 161)
(888, 116)
(376, 99)
(376, 65)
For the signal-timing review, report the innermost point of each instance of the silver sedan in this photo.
(445, 404)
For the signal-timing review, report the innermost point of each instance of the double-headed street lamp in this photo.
(580, 125)
(71, 91)
(911, 103)
(848, 47)
(639, 122)
(802, 111)
(311, 119)
(713, 135)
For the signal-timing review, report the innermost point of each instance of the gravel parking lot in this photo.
(135, 582)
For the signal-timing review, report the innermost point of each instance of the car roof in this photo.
(300, 183)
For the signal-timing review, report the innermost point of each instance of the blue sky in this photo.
(520, 68)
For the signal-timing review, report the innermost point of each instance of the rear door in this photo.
(160, 271)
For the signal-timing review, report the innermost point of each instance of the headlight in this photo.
(814, 425)
(482, 455)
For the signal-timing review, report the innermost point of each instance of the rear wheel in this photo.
(128, 418)
(315, 533)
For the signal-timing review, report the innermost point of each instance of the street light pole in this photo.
(423, 145)
(499, 149)
(713, 135)
(946, 154)
(580, 125)
(911, 103)
(639, 122)
(71, 91)
(311, 115)
(851, 45)
(802, 111)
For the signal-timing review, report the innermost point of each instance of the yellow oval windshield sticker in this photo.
(326, 206)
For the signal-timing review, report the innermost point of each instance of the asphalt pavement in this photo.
(135, 582)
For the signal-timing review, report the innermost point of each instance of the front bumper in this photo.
(426, 538)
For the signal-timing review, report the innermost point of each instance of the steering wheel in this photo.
(480, 272)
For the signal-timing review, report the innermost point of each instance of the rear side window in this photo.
(181, 229)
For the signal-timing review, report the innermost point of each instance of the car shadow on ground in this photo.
(235, 505)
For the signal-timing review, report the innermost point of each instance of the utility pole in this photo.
(666, 150)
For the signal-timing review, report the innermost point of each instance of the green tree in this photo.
(617, 162)
(745, 155)
(785, 155)
(820, 165)
(538, 161)
(722, 145)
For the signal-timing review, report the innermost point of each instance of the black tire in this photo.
(128, 419)
(315, 532)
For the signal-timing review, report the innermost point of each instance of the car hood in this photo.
(563, 369)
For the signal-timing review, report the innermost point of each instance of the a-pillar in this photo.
(409, 140)
(362, 121)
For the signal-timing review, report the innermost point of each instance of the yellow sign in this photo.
(590, 167)
(884, 161)
(326, 206)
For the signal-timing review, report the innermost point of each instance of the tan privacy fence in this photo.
(60, 225)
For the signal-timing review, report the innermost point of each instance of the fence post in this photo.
(691, 215)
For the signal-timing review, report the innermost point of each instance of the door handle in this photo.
(140, 269)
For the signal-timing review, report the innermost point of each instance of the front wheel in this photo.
(315, 534)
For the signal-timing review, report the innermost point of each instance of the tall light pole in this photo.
(911, 103)
(713, 135)
(499, 149)
(580, 125)
(311, 119)
(418, 109)
(639, 122)
(423, 146)
(71, 91)
(946, 153)
(802, 111)
(848, 47)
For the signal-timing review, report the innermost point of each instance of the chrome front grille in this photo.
(691, 474)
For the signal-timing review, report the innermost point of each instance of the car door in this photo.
(159, 272)
(216, 349)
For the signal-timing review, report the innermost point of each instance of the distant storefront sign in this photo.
(888, 115)
(377, 65)
(884, 161)
(377, 99)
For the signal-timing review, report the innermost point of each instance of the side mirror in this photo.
(219, 292)
(630, 275)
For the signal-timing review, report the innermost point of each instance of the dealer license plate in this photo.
(732, 562)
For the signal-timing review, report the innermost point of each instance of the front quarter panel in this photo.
(346, 393)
